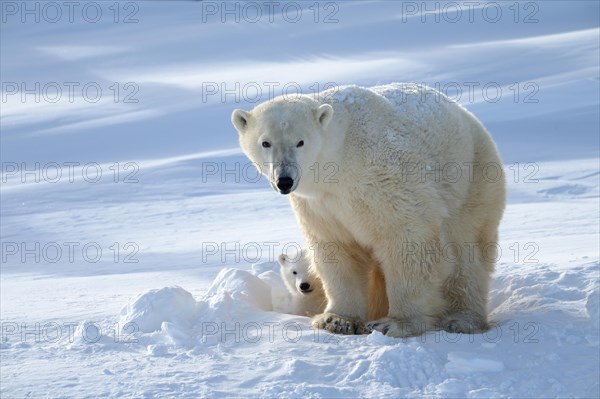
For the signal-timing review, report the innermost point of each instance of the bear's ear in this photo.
(282, 259)
(323, 114)
(240, 118)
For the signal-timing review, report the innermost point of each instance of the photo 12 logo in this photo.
(54, 92)
(270, 11)
(70, 172)
(472, 92)
(68, 252)
(254, 92)
(69, 11)
(470, 11)
(88, 332)
(248, 252)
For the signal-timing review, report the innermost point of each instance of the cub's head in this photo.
(296, 276)
(283, 138)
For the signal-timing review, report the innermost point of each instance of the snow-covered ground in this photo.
(139, 246)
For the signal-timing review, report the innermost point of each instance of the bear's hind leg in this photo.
(475, 232)
(467, 290)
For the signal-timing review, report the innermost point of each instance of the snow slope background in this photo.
(139, 246)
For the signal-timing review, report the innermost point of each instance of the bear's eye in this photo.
(294, 273)
(266, 144)
(300, 143)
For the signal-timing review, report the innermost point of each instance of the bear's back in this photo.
(410, 100)
(414, 101)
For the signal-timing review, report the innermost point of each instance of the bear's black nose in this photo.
(284, 184)
(304, 286)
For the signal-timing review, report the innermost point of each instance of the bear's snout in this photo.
(305, 288)
(285, 184)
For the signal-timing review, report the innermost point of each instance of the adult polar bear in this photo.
(418, 189)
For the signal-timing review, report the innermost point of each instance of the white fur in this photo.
(295, 273)
(359, 202)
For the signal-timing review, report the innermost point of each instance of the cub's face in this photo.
(295, 275)
(283, 139)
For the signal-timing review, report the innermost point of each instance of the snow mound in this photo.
(592, 306)
(171, 316)
(239, 287)
(150, 310)
(269, 272)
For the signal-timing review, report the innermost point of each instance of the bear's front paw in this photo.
(397, 328)
(465, 321)
(338, 324)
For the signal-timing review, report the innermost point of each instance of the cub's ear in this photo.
(323, 114)
(282, 259)
(240, 119)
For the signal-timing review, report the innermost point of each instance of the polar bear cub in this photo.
(307, 291)
(306, 288)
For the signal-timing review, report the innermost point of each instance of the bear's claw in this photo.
(395, 327)
(339, 325)
(373, 326)
(467, 322)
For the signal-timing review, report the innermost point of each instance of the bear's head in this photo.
(296, 276)
(283, 138)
